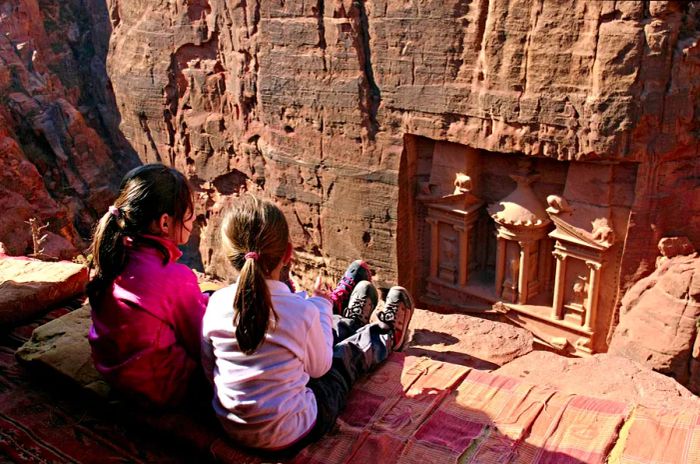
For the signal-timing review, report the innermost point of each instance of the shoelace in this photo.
(342, 289)
(388, 316)
(356, 308)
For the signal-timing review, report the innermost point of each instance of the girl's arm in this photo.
(208, 358)
(319, 340)
(190, 305)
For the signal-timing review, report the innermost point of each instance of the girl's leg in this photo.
(344, 327)
(352, 358)
(358, 354)
(357, 272)
(362, 302)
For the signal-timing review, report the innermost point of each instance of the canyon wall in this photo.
(311, 102)
(61, 152)
(345, 112)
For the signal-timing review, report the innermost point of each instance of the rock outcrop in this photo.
(315, 104)
(29, 286)
(604, 376)
(72, 360)
(659, 321)
(61, 154)
(468, 340)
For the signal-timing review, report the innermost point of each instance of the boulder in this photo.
(463, 339)
(29, 286)
(61, 345)
(602, 376)
(670, 247)
(659, 321)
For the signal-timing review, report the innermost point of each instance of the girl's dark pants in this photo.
(357, 350)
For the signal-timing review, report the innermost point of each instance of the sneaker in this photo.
(363, 300)
(358, 271)
(397, 313)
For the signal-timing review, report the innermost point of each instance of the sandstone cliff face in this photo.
(59, 135)
(659, 321)
(311, 102)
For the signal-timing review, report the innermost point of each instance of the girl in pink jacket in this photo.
(146, 308)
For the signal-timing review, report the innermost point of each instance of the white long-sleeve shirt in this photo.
(261, 398)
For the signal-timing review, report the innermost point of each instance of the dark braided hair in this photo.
(146, 193)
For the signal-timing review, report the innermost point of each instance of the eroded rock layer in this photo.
(61, 153)
(659, 321)
(312, 100)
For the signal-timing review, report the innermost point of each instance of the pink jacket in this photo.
(145, 333)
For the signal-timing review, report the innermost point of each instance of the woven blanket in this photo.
(412, 409)
(43, 422)
(446, 413)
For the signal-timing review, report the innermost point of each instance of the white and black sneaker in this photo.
(363, 300)
(397, 312)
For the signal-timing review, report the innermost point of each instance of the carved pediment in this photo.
(584, 224)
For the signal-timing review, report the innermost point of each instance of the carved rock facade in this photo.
(358, 117)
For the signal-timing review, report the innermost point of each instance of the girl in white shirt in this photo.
(282, 364)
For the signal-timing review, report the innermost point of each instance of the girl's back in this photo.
(264, 394)
(146, 308)
(145, 333)
(262, 342)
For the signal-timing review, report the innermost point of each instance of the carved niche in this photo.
(451, 218)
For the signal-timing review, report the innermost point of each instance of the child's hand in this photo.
(321, 289)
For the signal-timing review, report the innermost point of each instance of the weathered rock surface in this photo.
(659, 321)
(59, 135)
(314, 102)
(673, 246)
(603, 376)
(461, 339)
(28, 286)
(62, 346)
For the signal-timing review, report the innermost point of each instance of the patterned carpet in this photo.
(45, 421)
(413, 410)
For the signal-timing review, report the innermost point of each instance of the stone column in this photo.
(434, 246)
(500, 264)
(463, 254)
(559, 277)
(524, 277)
(593, 284)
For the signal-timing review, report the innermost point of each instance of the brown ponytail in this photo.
(257, 227)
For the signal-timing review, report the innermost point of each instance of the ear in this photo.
(163, 224)
(287, 258)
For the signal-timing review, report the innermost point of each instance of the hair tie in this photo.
(114, 211)
(252, 255)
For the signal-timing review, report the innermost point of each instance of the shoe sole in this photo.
(410, 316)
(366, 267)
(340, 307)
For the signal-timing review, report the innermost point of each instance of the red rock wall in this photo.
(59, 136)
(310, 101)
